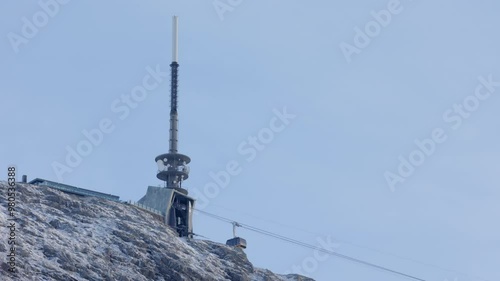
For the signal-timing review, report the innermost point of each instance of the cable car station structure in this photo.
(173, 200)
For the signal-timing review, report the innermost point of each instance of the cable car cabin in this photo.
(237, 242)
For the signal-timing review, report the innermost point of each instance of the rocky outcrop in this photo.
(67, 237)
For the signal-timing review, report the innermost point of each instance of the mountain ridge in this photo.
(61, 236)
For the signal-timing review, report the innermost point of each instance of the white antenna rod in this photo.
(174, 39)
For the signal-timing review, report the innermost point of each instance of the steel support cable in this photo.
(303, 244)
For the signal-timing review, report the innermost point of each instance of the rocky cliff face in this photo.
(66, 237)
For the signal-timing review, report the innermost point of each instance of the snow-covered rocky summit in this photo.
(67, 237)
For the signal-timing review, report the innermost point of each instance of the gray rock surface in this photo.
(67, 237)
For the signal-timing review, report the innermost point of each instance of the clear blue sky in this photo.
(325, 172)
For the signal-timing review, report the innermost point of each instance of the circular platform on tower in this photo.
(173, 157)
(172, 166)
